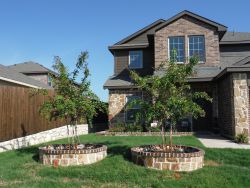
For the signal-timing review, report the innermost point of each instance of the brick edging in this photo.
(199, 152)
(107, 133)
(44, 150)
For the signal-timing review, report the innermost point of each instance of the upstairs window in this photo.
(131, 113)
(197, 47)
(176, 46)
(135, 59)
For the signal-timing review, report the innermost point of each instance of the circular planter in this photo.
(67, 155)
(183, 158)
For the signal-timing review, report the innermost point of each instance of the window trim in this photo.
(178, 62)
(141, 63)
(200, 62)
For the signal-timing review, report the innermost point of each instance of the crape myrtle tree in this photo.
(172, 98)
(73, 101)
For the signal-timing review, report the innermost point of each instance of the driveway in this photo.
(211, 140)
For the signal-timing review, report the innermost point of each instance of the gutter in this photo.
(19, 83)
(235, 42)
(120, 87)
(128, 46)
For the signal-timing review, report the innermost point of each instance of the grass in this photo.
(224, 168)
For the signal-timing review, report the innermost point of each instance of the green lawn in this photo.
(224, 168)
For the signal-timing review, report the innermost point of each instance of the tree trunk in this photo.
(162, 135)
(171, 137)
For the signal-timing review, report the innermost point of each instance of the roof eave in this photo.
(203, 79)
(140, 31)
(120, 87)
(220, 27)
(235, 42)
(21, 83)
(125, 47)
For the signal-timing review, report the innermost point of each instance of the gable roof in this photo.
(243, 61)
(157, 22)
(9, 75)
(235, 38)
(157, 25)
(219, 26)
(30, 67)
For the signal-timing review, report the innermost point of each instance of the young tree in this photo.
(171, 96)
(74, 102)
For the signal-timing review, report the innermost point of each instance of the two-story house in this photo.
(223, 69)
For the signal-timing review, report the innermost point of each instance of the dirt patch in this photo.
(212, 163)
(3, 183)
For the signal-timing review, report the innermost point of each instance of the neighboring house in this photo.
(11, 77)
(223, 70)
(35, 71)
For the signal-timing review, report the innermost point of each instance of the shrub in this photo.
(131, 127)
(241, 138)
(154, 129)
(119, 127)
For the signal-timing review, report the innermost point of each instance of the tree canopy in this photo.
(170, 94)
(72, 101)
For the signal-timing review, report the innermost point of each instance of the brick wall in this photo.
(225, 106)
(183, 27)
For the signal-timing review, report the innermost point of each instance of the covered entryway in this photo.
(204, 123)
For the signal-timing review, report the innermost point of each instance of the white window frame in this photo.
(141, 62)
(200, 62)
(178, 62)
(136, 108)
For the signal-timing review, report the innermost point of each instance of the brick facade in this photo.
(225, 106)
(186, 26)
(229, 112)
(233, 104)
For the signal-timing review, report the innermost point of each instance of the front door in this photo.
(204, 123)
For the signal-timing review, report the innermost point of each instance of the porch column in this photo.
(240, 101)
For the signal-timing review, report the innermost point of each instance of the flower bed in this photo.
(182, 158)
(68, 155)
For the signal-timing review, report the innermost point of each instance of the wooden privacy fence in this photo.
(19, 113)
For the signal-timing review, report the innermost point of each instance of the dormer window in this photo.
(197, 47)
(135, 59)
(176, 48)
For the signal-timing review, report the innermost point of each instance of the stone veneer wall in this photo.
(240, 97)
(117, 104)
(169, 161)
(72, 157)
(183, 27)
(45, 136)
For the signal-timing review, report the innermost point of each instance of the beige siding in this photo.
(40, 77)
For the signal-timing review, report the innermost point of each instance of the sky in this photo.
(38, 30)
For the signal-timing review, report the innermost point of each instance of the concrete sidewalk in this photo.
(211, 140)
